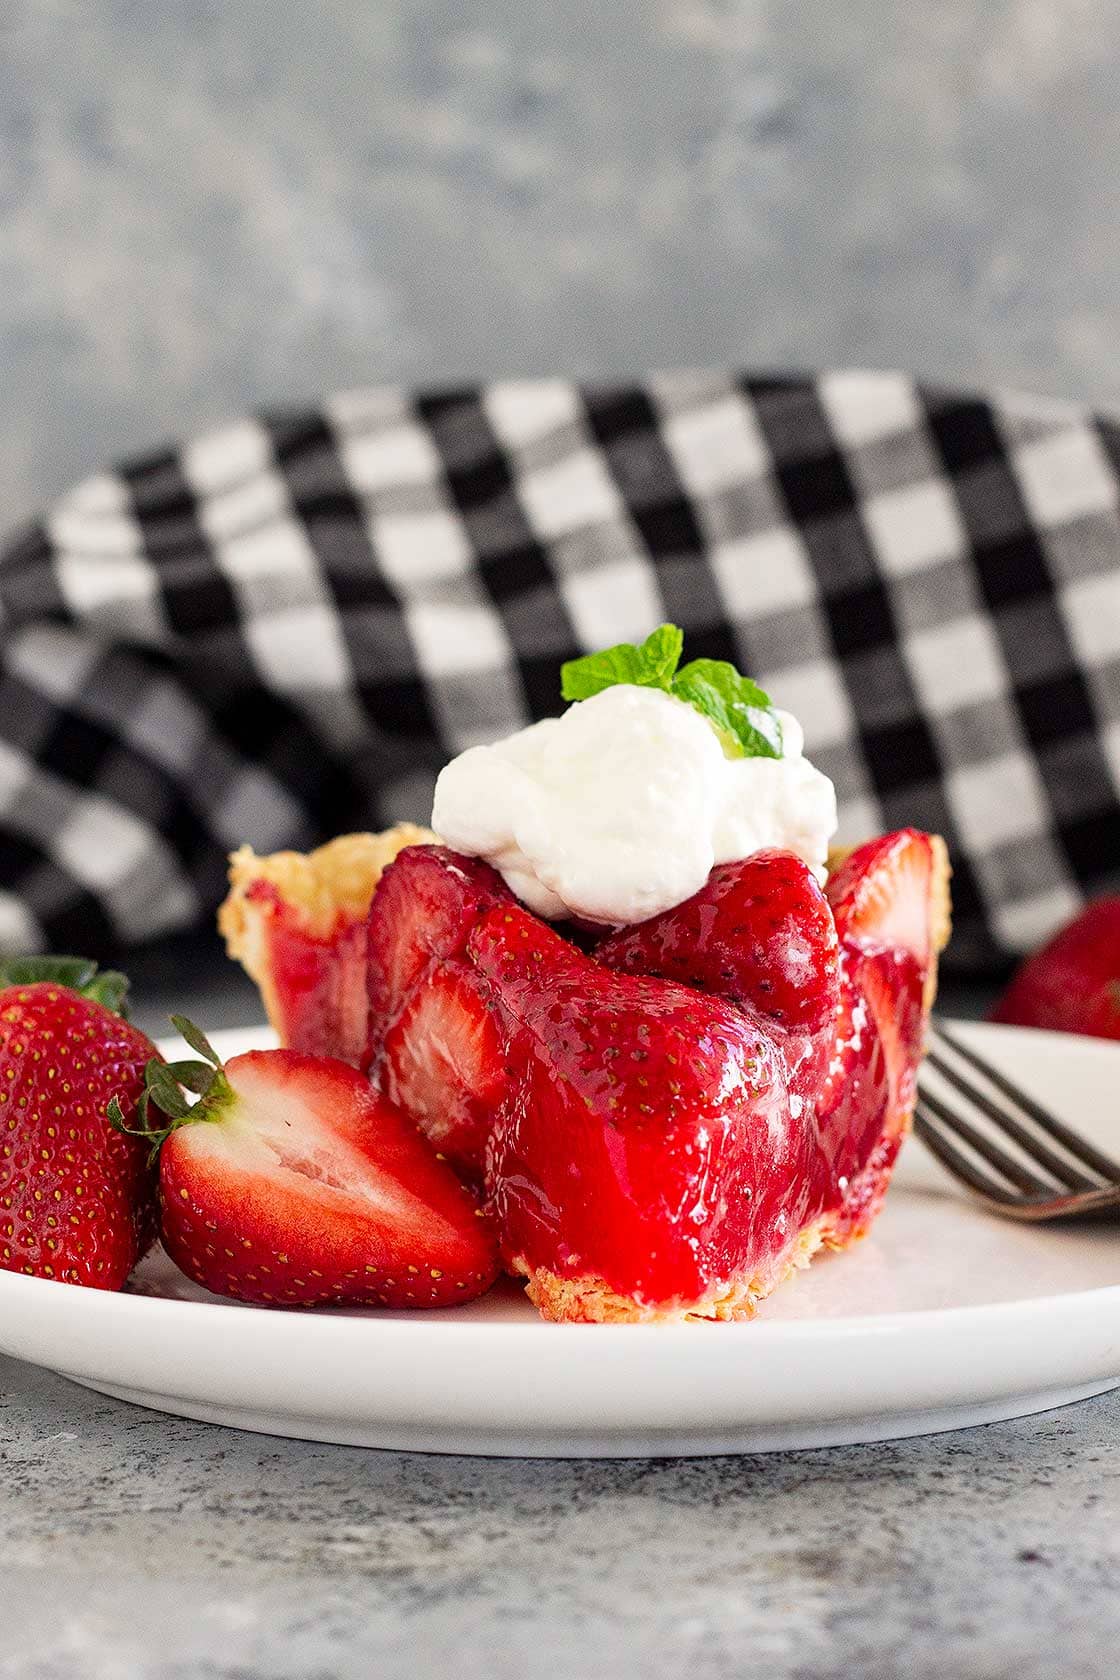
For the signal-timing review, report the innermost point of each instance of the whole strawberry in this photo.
(77, 1199)
(1073, 983)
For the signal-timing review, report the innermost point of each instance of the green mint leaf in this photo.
(740, 711)
(650, 665)
(661, 654)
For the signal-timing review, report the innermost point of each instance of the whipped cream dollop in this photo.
(621, 807)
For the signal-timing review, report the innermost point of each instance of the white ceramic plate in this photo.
(945, 1317)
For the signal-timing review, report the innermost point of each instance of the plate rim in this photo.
(334, 1319)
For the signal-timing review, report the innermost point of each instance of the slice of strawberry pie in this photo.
(296, 921)
(679, 1105)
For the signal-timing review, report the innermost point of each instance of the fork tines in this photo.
(998, 1139)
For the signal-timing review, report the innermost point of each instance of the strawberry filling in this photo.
(647, 1139)
(318, 979)
(669, 1121)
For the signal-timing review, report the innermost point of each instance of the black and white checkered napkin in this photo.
(281, 630)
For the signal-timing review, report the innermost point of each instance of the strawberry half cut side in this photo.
(436, 1037)
(291, 1182)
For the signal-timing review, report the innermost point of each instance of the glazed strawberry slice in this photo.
(891, 905)
(425, 906)
(436, 1042)
(890, 902)
(891, 893)
(291, 1182)
(855, 1113)
(442, 1062)
(759, 932)
(1073, 983)
(296, 921)
(646, 1163)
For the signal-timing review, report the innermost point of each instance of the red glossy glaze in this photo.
(853, 1100)
(647, 1137)
(610, 1163)
(667, 1133)
(318, 981)
(443, 1062)
(435, 1047)
(881, 903)
(425, 905)
(759, 932)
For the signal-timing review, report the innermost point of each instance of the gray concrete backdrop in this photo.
(208, 204)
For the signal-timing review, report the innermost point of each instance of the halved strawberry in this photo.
(425, 906)
(443, 1062)
(292, 1182)
(296, 921)
(435, 1044)
(890, 898)
(759, 932)
(892, 892)
(1073, 983)
(647, 1161)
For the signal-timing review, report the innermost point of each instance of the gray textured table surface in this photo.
(133, 1545)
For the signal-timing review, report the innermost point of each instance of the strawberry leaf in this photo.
(196, 1038)
(72, 972)
(165, 1091)
(110, 990)
(77, 974)
(162, 1099)
(195, 1076)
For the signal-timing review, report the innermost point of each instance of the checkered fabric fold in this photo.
(281, 630)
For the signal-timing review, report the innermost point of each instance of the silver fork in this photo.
(1013, 1154)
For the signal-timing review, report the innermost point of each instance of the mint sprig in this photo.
(650, 665)
(741, 713)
